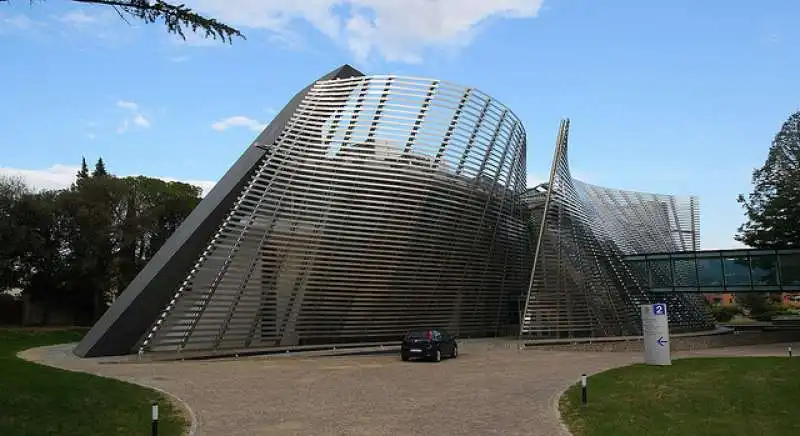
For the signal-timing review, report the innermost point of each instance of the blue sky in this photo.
(678, 97)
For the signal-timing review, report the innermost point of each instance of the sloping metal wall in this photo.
(386, 203)
(121, 328)
(580, 285)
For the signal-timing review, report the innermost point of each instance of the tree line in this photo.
(77, 248)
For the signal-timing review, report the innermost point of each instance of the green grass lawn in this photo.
(39, 400)
(693, 397)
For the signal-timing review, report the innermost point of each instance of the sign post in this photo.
(655, 330)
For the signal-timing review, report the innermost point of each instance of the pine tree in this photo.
(773, 208)
(99, 169)
(83, 173)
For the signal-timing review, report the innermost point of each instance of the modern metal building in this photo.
(374, 204)
(380, 203)
(580, 284)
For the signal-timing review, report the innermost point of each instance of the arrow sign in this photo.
(661, 341)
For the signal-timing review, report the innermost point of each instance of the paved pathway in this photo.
(489, 389)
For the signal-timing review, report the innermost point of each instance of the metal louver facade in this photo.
(375, 204)
(580, 286)
(386, 203)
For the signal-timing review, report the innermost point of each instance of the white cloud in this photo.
(135, 117)
(78, 18)
(102, 26)
(56, 177)
(393, 29)
(141, 121)
(123, 127)
(772, 38)
(127, 105)
(178, 59)
(238, 121)
(62, 176)
(18, 22)
(205, 185)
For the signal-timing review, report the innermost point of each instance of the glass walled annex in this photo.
(720, 271)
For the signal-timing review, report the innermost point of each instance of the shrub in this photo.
(724, 313)
(772, 311)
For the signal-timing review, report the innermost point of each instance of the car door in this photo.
(436, 340)
(445, 343)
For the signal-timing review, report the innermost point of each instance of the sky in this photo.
(681, 97)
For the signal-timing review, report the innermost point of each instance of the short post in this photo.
(790, 352)
(584, 393)
(155, 419)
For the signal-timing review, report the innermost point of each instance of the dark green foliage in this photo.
(99, 168)
(176, 17)
(153, 211)
(725, 313)
(11, 190)
(771, 312)
(773, 208)
(707, 396)
(78, 248)
(761, 306)
(41, 256)
(39, 400)
(83, 173)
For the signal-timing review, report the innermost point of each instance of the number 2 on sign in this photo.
(659, 309)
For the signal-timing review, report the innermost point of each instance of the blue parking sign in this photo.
(659, 309)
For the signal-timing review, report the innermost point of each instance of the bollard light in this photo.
(154, 426)
(790, 352)
(584, 389)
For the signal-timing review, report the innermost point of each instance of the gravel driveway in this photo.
(491, 388)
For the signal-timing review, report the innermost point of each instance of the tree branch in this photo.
(176, 17)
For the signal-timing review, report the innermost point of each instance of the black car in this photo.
(433, 344)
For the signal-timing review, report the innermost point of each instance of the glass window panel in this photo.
(737, 271)
(765, 270)
(639, 268)
(685, 272)
(709, 271)
(661, 273)
(790, 269)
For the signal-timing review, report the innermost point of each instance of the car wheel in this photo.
(404, 357)
(438, 357)
(455, 351)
